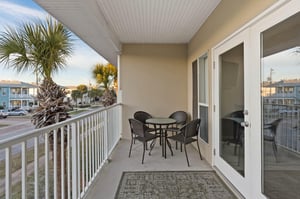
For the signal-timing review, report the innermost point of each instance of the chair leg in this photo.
(130, 147)
(169, 145)
(275, 146)
(187, 159)
(176, 144)
(180, 147)
(274, 150)
(199, 150)
(152, 145)
(144, 149)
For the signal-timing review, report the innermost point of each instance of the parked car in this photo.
(17, 112)
(3, 114)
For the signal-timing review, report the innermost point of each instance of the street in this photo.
(16, 126)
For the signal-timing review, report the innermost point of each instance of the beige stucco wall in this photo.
(153, 78)
(229, 16)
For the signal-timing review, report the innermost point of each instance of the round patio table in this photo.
(163, 124)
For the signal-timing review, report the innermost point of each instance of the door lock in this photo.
(245, 124)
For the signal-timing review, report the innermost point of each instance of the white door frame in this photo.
(239, 181)
(253, 162)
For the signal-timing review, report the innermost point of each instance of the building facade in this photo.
(17, 94)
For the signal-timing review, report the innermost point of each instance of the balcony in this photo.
(120, 162)
(92, 151)
(21, 96)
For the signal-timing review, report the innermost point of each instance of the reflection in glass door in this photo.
(280, 93)
(231, 101)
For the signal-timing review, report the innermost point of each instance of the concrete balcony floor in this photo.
(106, 183)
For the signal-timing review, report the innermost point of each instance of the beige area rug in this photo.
(172, 185)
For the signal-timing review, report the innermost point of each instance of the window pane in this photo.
(231, 108)
(203, 78)
(280, 83)
(204, 123)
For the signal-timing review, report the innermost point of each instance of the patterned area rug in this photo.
(172, 185)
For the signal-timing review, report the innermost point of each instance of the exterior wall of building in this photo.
(4, 97)
(16, 94)
(153, 78)
(229, 16)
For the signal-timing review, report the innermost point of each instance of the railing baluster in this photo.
(105, 136)
(86, 154)
(62, 159)
(77, 127)
(24, 170)
(68, 161)
(46, 166)
(99, 139)
(93, 145)
(90, 149)
(36, 167)
(82, 154)
(55, 163)
(8, 187)
(75, 161)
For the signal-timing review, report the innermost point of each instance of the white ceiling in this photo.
(106, 24)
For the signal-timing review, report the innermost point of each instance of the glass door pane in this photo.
(231, 101)
(280, 95)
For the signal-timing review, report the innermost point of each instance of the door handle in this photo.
(245, 124)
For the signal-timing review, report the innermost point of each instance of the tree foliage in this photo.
(107, 76)
(75, 95)
(82, 90)
(41, 47)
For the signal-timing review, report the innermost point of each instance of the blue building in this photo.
(283, 92)
(17, 94)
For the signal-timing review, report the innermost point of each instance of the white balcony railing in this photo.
(37, 165)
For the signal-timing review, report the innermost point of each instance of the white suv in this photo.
(3, 114)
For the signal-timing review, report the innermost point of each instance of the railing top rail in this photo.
(36, 132)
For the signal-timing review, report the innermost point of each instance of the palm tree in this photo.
(83, 89)
(107, 76)
(41, 47)
(75, 95)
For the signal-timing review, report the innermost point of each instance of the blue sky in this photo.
(79, 66)
(285, 65)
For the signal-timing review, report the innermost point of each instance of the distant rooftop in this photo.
(15, 83)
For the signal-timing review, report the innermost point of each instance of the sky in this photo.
(284, 65)
(78, 69)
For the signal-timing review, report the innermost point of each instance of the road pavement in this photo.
(15, 126)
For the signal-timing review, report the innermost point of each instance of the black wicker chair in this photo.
(188, 134)
(181, 119)
(140, 132)
(271, 137)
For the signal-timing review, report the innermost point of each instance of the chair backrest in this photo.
(239, 114)
(142, 116)
(274, 126)
(137, 127)
(180, 117)
(191, 129)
